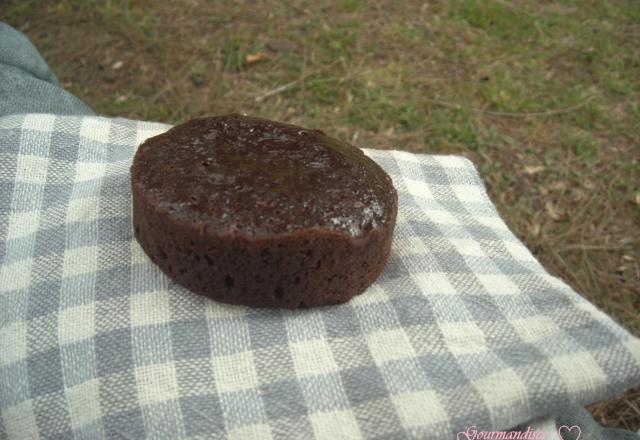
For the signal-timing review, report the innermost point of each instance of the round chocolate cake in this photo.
(255, 212)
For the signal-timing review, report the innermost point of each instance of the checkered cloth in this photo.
(464, 327)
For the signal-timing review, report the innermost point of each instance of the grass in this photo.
(543, 96)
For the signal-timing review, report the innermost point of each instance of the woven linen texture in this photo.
(464, 327)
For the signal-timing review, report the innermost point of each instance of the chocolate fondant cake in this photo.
(255, 212)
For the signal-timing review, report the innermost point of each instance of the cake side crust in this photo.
(305, 269)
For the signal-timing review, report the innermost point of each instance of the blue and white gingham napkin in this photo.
(464, 327)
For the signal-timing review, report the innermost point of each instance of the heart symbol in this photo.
(570, 429)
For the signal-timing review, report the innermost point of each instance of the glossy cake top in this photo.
(259, 177)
